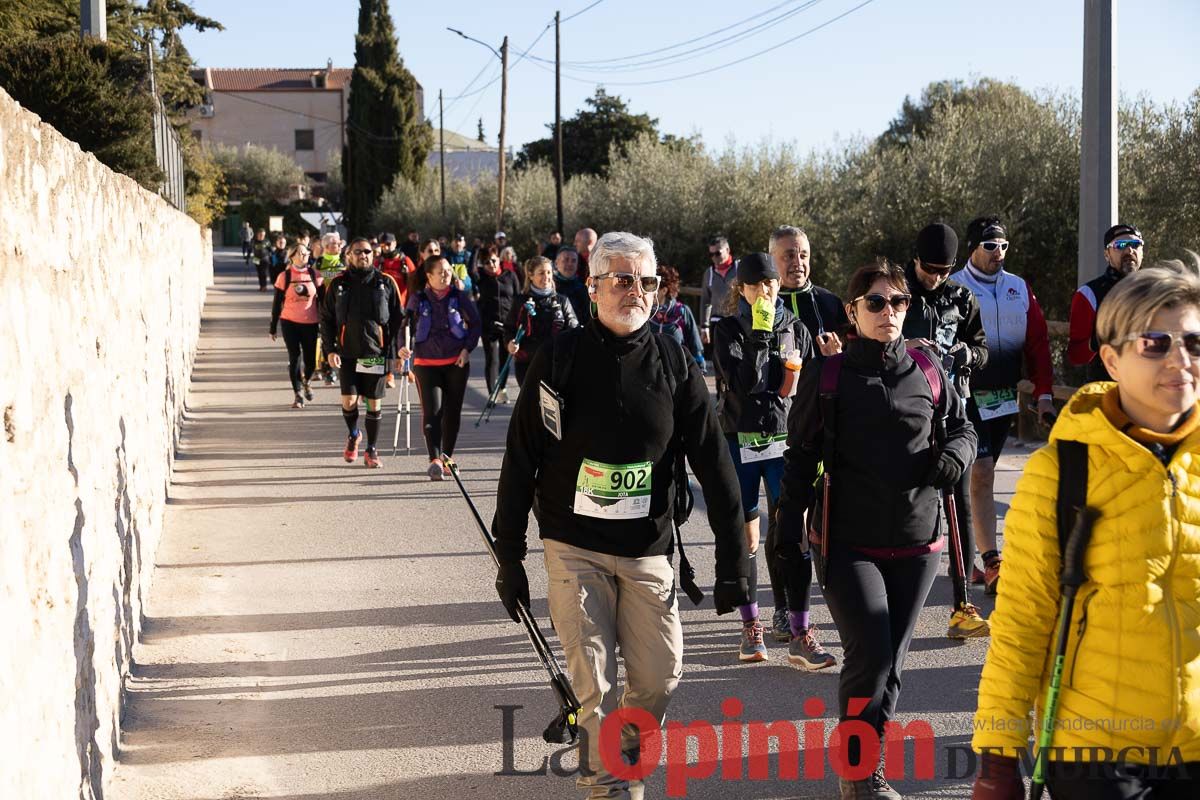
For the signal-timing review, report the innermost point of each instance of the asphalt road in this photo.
(319, 630)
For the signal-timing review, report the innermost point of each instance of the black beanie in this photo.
(982, 229)
(755, 268)
(937, 244)
(1120, 230)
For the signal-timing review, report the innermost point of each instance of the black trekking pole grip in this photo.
(1081, 533)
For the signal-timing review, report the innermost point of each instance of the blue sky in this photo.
(843, 80)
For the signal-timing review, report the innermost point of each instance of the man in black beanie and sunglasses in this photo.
(1016, 331)
(944, 319)
(1123, 251)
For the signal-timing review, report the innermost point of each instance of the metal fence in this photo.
(168, 152)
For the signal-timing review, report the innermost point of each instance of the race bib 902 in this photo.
(613, 491)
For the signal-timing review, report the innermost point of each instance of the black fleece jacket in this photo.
(750, 363)
(884, 450)
(618, 411)
(946, 316)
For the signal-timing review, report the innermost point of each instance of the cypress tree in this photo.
(387, 138)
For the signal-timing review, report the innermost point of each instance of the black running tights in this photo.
(442, 390)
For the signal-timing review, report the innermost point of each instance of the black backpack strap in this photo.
(1072, 486)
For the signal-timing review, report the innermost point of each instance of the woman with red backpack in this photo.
(445, 328)
(298, 291)
(552, 313)
(883, 431)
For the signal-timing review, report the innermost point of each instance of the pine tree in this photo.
(480, 135)
(386, 135)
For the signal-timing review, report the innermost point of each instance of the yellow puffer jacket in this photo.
(1132, 672)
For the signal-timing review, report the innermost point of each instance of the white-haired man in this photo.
(604, 483)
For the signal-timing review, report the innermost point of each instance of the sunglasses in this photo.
(715, 254)
(1156, 344)
(936, 270)
(625, 281)
(876, 302)
(990, 246)
(1124, 244)
(361, 252)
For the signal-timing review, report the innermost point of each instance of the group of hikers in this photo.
(873, 420)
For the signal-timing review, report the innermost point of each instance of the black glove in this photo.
(945, 472)
(961, 355)
(513, 586)
(729, 594)
(999, 778)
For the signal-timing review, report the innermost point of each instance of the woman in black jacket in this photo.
(497, 289)
(752, 343)
(873, 417)
(552, 313)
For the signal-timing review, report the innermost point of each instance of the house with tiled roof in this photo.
(301, 112)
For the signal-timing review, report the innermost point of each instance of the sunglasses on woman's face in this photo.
(1157, 344)
(625, 281)
(990, 246)
(876, 302)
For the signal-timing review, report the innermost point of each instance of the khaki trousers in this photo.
(599, 602)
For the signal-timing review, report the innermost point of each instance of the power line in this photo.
(727, 64)
(705, 51)
(580, 11)
(725, 29)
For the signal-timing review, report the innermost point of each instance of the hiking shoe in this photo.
(874, 787)
(991, 576)
(977, 577)
(371, 458)
(390, 381)
(781, 626)
(502, 398)
(752, 648)
(351, 451)
(328, 378)
(967, 623)
(308, 395)
(805, 651)
(435, 472)
(298, 402)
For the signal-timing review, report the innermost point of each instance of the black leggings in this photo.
(261, 268)
(875, 604)
(301, 341)
(493, 357)
(442, 390)
(1108, 781)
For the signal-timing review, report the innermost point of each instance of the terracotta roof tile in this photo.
(266, 80)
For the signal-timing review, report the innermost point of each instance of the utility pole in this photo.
(93, 19)
(1098, 138)
(558, 155)
(503, 116)
(442, 146)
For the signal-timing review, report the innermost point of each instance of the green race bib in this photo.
(993, 403)
(372, 366)
(761, 447)
(613, 491)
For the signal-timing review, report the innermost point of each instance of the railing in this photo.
(168, 153)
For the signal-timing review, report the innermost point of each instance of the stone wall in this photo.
(101, 289)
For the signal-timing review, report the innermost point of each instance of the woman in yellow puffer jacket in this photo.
(1131, 678)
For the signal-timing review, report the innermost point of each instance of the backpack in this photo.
(1072, 487)
(312, 275)
(675, 368)
(831, 370)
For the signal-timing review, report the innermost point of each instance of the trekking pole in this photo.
(956, 553)
(402, 403)
(566, 723)
(1071, 578)
(486, 414)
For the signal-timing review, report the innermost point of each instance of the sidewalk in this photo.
(320, 630)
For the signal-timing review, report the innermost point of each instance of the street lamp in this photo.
(503, 56)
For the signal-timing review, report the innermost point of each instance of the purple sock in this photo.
(749, 612)
(798, 620)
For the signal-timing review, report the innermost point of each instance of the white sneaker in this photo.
(502, 398)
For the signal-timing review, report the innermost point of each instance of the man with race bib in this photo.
(1014, 326)
(592, 449)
